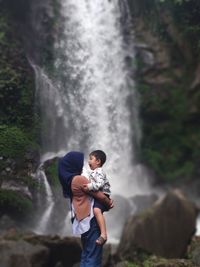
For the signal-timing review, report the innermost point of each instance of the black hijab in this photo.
(69, 166)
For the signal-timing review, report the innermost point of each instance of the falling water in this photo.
(90, 101)
(44, 220)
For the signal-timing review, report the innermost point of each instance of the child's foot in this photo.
(101, 240)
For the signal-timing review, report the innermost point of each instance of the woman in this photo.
(84, 222)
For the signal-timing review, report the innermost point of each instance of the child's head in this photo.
(96, 159)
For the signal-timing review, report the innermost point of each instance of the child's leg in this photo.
(102, 224)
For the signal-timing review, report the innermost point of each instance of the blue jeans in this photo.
(91, 252)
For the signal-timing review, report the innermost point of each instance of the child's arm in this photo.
(108, 202)
(79, 187)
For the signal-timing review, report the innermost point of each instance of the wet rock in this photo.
(64, 251)
(194, 251)
(21, 253)
(106, 258)
(6, 223)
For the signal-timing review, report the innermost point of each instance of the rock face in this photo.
(167, 79)
(23, 254)
(63, 251)
(31, 250)
(165, 230)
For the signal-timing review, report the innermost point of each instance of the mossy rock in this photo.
(13, 141)
(14, 203)
(51, 170)
(194, 251)
(154, 261)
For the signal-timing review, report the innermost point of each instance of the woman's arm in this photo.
(98, 195)
(79, 190)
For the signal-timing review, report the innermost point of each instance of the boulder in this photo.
(164, 230)
(21, 253)
(62, 251)
(42, 250)
(194, 250)
(106, 256)
(6, 222)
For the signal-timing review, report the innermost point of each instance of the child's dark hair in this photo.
(99, 155)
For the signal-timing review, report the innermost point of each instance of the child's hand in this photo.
(85, 188)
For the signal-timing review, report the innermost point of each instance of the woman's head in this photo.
(69, 166)
(73, 162)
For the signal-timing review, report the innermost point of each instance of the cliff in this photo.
(167, 60)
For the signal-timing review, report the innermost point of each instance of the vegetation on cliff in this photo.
(14, 203)
(18, 119)
(169, 88)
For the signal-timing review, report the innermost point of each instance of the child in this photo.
(98, 181)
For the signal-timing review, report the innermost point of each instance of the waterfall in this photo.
(44, 220)
(88, 101)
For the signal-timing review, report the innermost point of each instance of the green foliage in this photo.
(132, 264)
(19, 124)
(186, 15)
(13, 141)
(16, 78)
(175, 1)
(30, 182)
(52, 174)
(171, 140)
(170, 112)
(153, 260)
(14, 203)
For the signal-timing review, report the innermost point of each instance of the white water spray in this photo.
(44, 220)
(90, 102)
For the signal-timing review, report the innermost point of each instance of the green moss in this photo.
(170, 144)
(52, 174)
(13, 142)
(156, 261)
(16, 77)
(19, 123)
(14, 203)
(132, 264)
(30, 182)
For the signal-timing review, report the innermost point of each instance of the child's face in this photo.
(93, 162)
